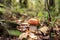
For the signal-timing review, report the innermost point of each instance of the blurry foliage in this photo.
(2, 7)
(32, 9)
(16, 6)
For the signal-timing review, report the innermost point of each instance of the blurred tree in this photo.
(2, 1)
(23, 3)
(46, 4)
(32, 4)
(51, 5)
(59, 5)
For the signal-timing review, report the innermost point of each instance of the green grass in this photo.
(14, 32)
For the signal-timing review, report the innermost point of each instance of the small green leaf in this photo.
(40, 14)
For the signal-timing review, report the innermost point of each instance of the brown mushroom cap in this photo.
(33, 21)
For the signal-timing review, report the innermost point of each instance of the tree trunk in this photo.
(2, 1)
(23, 4)
(46, 4)
(59, 6)
(51, 4)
